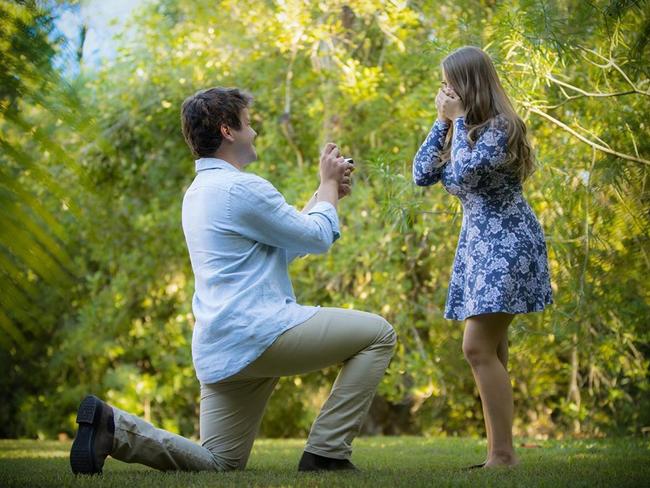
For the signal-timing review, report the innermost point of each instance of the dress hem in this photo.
(497, 310)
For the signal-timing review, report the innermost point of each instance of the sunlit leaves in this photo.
(363, 73)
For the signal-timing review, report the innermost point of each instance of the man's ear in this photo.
(226, 133)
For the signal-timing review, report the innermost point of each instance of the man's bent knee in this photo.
(235, 461)
(229, 464)
(388, 335)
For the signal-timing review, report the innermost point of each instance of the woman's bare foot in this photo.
(502, 459)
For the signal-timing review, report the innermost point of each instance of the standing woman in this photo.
(478, 149)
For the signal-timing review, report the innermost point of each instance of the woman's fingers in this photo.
(450, 92)
(448, 96)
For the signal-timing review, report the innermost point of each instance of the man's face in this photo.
(244, 137)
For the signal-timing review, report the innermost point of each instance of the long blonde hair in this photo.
(471, 73)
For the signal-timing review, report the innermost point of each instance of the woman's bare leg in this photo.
(485, 337)
(502, 354)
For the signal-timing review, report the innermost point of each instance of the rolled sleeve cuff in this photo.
(327, 210)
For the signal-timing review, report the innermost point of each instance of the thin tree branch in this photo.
(598, 139)
(285, 120)
(571, 131)
(592, 94)
(610, 63)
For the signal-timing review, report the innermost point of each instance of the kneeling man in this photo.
(249, 331)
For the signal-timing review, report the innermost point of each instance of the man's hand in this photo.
(332, 170)
(332, 165)
(345, 186)
(345, 182)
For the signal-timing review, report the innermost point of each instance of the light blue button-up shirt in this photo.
(241, 235)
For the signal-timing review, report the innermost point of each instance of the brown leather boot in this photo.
(94, 439)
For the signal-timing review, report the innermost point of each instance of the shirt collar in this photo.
(213, 163)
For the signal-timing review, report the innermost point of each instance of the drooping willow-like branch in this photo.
(533, 109)
(610, 63)
(285, 120)
(582, 93)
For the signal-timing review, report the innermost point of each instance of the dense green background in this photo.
(96, 282)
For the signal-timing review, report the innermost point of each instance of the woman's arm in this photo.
(425, 170)
(489, 152)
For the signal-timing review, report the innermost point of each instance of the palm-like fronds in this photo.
(33, 240)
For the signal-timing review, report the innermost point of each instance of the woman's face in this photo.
(445, 86)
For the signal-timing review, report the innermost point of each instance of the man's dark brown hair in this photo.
(203, 114)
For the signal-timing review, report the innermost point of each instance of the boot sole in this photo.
(82, 454)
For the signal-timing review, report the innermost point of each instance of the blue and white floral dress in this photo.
(501, 264)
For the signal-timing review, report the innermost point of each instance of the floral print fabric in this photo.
(501, 262)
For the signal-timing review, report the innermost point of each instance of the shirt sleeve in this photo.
(259, 212)
(489, 152)
(425, 170)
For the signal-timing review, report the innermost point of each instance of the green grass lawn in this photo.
(384, 461)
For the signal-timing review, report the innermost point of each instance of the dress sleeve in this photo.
(425, 172)
(259, 211)
(489, 152)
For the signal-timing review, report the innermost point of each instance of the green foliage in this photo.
(363, 73)
(39, 117)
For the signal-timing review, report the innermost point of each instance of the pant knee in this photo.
(231, 462)
(234, 466)
(227, 464)
(388, 335)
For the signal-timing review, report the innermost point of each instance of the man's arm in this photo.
(258, 211)
(310, 204)
(345, 189)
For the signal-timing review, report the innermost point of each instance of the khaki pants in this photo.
(232, 409)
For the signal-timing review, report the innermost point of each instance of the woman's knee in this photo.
(476, 354)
